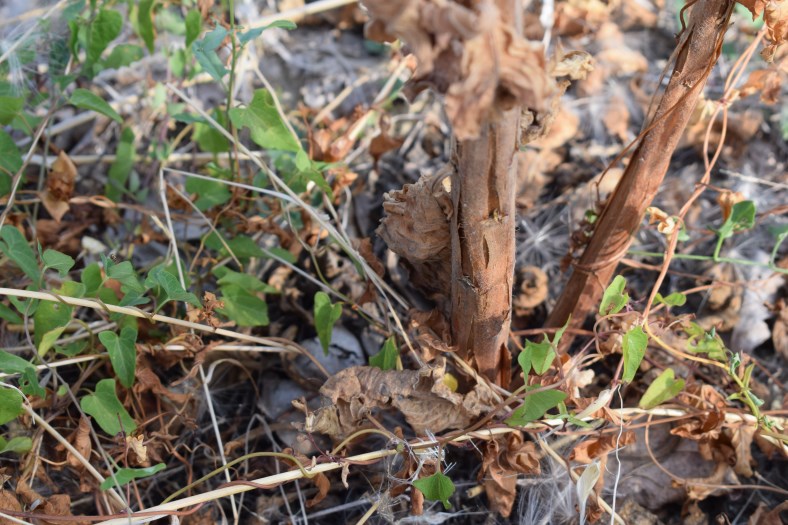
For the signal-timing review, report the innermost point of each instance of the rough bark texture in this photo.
(696, 54)
(483, 246)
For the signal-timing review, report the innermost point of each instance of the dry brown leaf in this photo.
(741, 436)
(82, 443)
(8, 502)
(56, 505)
(780, 330)
(416, 227)
(471, 55)
(148, 381)
(432, 333)
(764, 516)
(700, 488)
(775, 18)
(727, 199)
(323, 485)
(593, 448)
(140, 451)
(422, 397)
(767, 82)
(59, 186)
(499, 476)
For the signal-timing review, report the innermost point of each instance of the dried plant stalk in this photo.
(695, 56)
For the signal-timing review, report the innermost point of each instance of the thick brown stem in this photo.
(482, 245)
(695, 55)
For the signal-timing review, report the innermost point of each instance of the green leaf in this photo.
(104, 29)
(106, 409)
(243, 280)
(205, 52)
(82, 98)
(193, 26)
(326, 314)
(13, 364)
(91, 278)
(243, 38)
(60, 262)
(209, 193)
(124, 273)
(535, 406)
(266, 127)
(634, 344)
(48, 339)
(242, 307)
(10, 108)
(388, 356)
(120, 170)
(614, 299)
(145, 23)
(17, 445)
(742, 217)
(702, 342)
(674, 299)
(125, 475)
(123, 55)
(537, 355)
(10, 405)
(437, 487)
(10, 162)
(122, 353)
(9, 315)
(242, 246)
(170, 286)
(663, 388)
(28, 383)
(15, 247)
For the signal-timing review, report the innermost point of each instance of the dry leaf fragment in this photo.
(590, 449)
(422, 397)
(82, 443)
(59, 186)
(471, 54)
(504, 458)
(140, 451)
(8, 502)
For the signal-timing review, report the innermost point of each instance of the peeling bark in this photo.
(696, 54)
(483, 248)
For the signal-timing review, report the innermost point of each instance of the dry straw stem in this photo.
(290, 476)
(135, 312)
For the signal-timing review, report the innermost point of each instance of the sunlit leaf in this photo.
(437, 487)
(634, 346)
(663, 388)
(388, 356)
(266, 126)
(614, 299)
(535, 406)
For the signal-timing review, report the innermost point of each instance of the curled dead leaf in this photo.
(422, 397)
(504, 458)
(472, 55)
(592, 448)
(82, 443)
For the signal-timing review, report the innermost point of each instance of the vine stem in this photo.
(135, 312)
